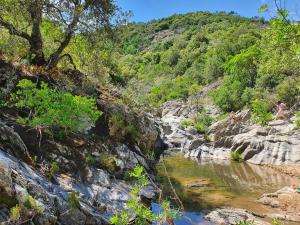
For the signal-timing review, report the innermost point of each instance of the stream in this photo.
(205, 185)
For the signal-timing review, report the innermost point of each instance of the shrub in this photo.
(277, 222)
(15, 213)
(203, 122)
(261, 112)
(31, 204)
(288, 91)
(297, 121)
(142, 213)
(236, 156)
(53, 108)
(73, 200)
(186, 123)
(90, 160)
(120, 129)
(54, 169)
(246, 222)
(228, 95)
(107, 161)
(25, 210)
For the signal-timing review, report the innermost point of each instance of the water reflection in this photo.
(207, 184)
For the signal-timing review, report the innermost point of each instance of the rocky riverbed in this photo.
(276, 145)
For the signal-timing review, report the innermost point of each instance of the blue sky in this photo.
(146, 10)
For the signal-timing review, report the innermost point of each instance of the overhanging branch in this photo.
(12, 30)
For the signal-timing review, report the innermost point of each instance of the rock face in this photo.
(100, 194)
(92, 164)
(232, 216)
(283, 204)
(276, 144)
(177, 137)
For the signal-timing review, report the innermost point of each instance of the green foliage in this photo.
(15, 213)
(31, 204)
(261, 112)
(228, 95)
(187, 123)
(202, 122)
(107, 161)
(73, 200)
(53, 108)
(26, 209)
(289, 91)
(297, 122)
(236, 156)
(277, 222)
(54, 169)
(263, 8)
(142, 214)
(120, 129)
(246, 222)
(90, 160)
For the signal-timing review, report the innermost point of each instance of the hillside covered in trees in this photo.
(176, 57)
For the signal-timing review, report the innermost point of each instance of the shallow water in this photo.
(208, 184)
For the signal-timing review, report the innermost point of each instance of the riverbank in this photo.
(270, 156)
(208, 185)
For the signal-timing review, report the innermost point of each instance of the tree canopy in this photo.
(25, 18)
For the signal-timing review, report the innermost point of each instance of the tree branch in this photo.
(67, 55)
(70, 30)
(14, 31)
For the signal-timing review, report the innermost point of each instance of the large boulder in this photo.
(232, 216)
(283, 204)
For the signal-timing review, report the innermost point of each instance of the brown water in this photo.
(220, 183)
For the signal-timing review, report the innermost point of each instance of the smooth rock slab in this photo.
(231, 216)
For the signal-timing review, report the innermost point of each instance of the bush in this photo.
(142, 213)
(203, 122)
(261, 112)
(73, 200)
(236, 156)
(297, 121)
(53, 108)
(246, 222)
(228, 95)
(186, 123)
(15, 213)
(54, 169)
(120, 129)
(289, 91)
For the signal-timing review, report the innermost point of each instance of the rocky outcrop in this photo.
(48, 167)
(101, 194)
(276, 144)
(178, 137)
(283, 204)
(232, 216)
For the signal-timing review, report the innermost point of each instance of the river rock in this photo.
(232, 216)
(100, 196)
(283, 204)
(177, 137)
(276, 144)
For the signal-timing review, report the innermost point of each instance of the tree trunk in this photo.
(55, 57)
(36, 41)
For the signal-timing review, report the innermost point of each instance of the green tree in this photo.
(25, 19)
